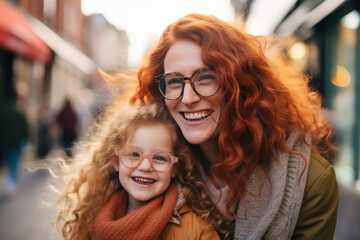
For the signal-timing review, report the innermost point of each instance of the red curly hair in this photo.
(264, 97)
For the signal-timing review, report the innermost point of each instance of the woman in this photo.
(254, 124)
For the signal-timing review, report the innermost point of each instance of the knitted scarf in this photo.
(273, 211)
(147, 222)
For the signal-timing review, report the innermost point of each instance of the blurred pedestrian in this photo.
(67, 121)
(13, 136)
(44, 126)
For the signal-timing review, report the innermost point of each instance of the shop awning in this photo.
(17, 36)
(62, 48)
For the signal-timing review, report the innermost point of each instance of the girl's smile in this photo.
(143, 182)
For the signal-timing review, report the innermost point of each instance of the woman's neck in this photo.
(134, 204)
(210, 151)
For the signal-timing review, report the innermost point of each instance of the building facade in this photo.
(48, 61)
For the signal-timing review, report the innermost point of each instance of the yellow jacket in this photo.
(189, 227)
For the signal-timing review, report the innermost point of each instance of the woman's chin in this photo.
(196, 139)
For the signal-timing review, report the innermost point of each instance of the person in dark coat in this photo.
(44, 127)
(67, 121)
(13, 136)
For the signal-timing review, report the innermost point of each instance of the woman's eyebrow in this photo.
(177, 73)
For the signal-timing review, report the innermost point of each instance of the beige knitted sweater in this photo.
(273, 212)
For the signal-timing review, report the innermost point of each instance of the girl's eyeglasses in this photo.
(160, 161)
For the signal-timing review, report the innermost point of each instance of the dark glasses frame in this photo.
(183, 79)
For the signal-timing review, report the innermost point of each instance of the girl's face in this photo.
(144, 183)
(197, 116)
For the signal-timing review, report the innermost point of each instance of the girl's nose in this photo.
(189, 95)
(145, 165)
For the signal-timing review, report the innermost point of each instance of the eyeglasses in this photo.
(203, 82)
(160, 161)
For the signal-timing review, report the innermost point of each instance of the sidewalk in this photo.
(26, 214)
(348, 220)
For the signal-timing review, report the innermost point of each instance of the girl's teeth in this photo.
(143, 180)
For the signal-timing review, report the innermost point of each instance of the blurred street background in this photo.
(51, 91)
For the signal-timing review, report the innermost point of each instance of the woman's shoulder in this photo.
(317, 217)
(320, 170)
(188, 225)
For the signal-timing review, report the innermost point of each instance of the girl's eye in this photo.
(134, 154)
(161, 157)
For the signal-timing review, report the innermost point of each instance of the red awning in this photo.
(17, 36)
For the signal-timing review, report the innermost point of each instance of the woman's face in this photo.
(197, 116)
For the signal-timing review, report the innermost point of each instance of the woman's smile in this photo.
(197, 116)
(194, 116)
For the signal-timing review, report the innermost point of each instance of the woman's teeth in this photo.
(143, 180)
(196, 116)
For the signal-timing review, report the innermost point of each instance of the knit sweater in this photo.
(273, 212)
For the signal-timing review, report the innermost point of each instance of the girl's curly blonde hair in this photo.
(90, 177)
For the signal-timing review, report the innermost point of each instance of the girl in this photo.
(136, 179)
(254, 123)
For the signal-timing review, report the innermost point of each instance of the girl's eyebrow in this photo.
(133, 146)
(156, 150)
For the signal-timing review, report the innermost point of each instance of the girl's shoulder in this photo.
(188, 225)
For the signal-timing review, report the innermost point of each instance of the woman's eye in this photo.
(207, 77)
(174, 81)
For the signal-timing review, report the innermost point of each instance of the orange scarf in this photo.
(147, 222)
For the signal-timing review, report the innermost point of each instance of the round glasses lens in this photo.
(161, 161)
(205, 82)
(171, 86)
(131, 158)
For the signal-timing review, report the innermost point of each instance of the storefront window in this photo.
(343, 102)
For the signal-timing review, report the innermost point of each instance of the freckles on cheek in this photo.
(170, 105)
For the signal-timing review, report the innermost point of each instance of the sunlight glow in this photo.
(144, 20)
(342, 77)
(298, 51)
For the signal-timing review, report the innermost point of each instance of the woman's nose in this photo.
(189, 95)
